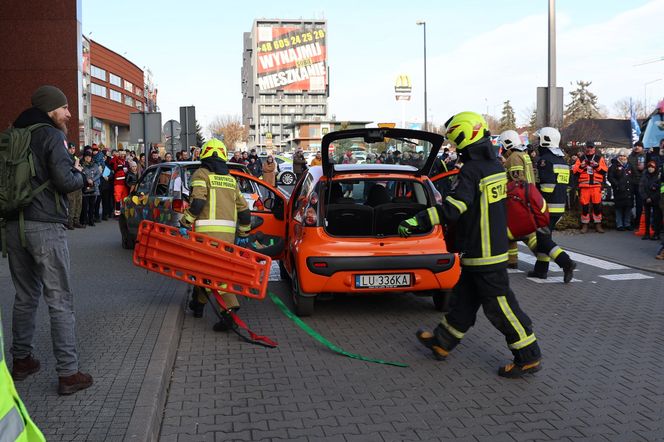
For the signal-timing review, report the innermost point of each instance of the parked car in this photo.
(340, 225)
(162, 192)
(286, 176)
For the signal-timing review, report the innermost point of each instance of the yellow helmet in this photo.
(466, 128)
(214, 146)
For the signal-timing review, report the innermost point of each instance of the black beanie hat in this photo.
(47, 98)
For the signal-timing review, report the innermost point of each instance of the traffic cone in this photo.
(642, 227)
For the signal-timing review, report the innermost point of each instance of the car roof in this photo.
(230, 164)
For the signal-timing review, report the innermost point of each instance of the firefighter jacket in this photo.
(553, 173)
(590, 170)
(217, 204)
(477, 211)
(519, 167)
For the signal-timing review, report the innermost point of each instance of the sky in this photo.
(480, 53)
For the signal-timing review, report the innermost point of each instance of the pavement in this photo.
(160, 374)
(127, 322)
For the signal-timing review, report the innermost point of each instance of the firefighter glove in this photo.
(409, 226)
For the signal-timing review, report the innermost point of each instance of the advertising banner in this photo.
(292, 58)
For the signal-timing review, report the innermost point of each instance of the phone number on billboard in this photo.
(293, 40)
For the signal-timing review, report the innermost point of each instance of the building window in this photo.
(139, 105)
(128, 100)
(128, 86)
(139, 91)
(116, 96)
(98, 89)
(97, 72)
(114, 79)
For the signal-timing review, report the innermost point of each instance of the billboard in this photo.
(292, 58)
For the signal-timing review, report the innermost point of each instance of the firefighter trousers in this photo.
(491, 291)
(588, 195)
(230, 299)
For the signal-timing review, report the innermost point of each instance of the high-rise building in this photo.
(284, 79)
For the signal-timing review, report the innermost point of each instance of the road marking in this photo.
(599, 263)
(551, 280)
(626, 276)
(514, 271)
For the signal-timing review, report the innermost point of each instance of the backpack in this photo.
(16, 170)
(526, 209)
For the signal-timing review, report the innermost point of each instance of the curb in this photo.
(613, 260)
(146, 418)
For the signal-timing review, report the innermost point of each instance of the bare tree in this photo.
(621, 108)
(493, 123)
(230, 129)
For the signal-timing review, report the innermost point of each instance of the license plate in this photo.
(382, 280)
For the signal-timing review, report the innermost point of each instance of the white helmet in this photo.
(511, 140)
(550, 137)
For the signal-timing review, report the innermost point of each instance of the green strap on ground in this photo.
(314, 334)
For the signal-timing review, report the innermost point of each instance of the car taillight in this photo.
(311, 212)
(179, 206)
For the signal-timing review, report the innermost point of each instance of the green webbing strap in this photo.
(314, 334)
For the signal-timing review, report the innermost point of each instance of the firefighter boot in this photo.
(225, 322)
(432, 342)
(565, 262)
(541, 268)
(526, 360)
(584, 228)
(195, 304)
(599, 228)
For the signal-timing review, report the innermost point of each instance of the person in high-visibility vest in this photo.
(591, 170)
(217, 209)
(15, 422)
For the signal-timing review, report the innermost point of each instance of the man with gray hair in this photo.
(40, 264)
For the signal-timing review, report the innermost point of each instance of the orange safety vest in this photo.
(589, 175)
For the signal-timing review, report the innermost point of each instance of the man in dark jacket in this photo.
(41, 264)
(478, 211)
(620, 177)
(649, 188)
(637, 161)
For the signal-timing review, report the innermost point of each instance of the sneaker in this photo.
(514, 371)
(568, 272)
(630, 228)
(23, 368)
(196, 308)
(225, 323)
(534, 274)
(72, 384)
(620, 229)
(429, 341)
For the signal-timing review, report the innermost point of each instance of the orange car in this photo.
(340, 222)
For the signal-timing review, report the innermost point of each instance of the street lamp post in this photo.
(424, 26)
(645, 94)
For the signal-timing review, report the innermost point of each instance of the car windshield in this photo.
(411, 152)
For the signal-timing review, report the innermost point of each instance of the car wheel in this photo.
(304, 305)
(287, 178)
(441, 300)
(128, 241)
(283, 273)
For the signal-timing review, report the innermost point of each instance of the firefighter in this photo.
(217, 209)
(519, 168)
(553, 174)
(591, 170)
(477, 208)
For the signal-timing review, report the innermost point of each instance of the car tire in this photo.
(441, 300)
(287, 178)
(304, 305)
(128, 242)
(283, 273)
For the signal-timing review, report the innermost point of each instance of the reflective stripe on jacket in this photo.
(553, 173)
(223, 200)
(15, 422)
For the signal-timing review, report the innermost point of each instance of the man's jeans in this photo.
(42, 267)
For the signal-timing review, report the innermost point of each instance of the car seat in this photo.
(349, 219)
(377, 195)
(388, 216)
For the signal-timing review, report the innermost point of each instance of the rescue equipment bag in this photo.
(526, 209)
